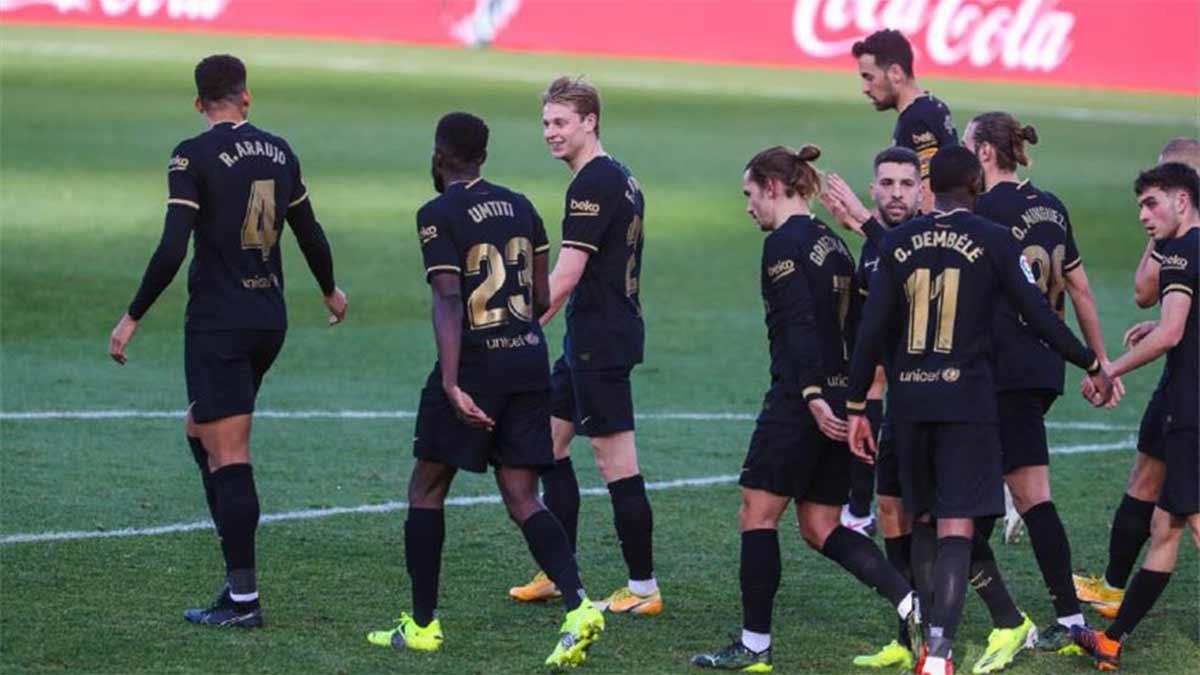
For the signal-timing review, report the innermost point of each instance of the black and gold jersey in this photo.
(939, 280)
(488, 235)
(604, 211)
(1041, 226)
(809, 293)
(924, 127)
(1179, 274)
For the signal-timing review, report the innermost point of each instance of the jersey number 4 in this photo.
(258, 230)
(518, 251)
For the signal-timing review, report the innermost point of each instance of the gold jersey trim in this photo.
(812, 390)
(443, 268)
(858, 406)
(542, 249)
(580, 244)
(183, 202)
(1182, 288)
(299, 199)
(1073, 264)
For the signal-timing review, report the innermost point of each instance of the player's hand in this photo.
(336, 302)
(470, 414)
(830, 424)
(861, 438)
(1101, 390)
(855, 213)
(121, 336)
(1118, 388)
(1137, 332)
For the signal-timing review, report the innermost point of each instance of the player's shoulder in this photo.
(602, 173)
(435, 211)
(1182, 254)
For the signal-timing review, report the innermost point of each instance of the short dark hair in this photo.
(219, 77)
(1170, 176)
(888, 47)
(954, 168)
(463, 138)
(898, 154)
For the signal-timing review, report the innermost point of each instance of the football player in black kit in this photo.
(943, 272)
(798, 450)
(230, 189)
(487, 400)
(896, 190)
(1169, 208)
(885, 64)
(1029, 375)
(1131, 520)
(598, 277)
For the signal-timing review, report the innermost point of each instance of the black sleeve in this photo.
(872, 335)
(1160, 245)
(1017, 281)
(171, 251)
(874, 231)
(438, 249)
(590, 207)
(789, 294)
(313, 244)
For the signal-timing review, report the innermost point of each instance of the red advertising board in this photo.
(1125, 44)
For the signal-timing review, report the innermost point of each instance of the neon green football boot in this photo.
(580, 629)
(893, 654)
(407, 634)
(1003, 646)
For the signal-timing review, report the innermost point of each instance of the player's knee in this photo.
(1165, 528)
(522, 508)
(1146, 479)
(752, 516)
(890, 508)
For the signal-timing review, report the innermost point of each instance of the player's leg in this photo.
(857, 513)
(759, 574)
(1012, 631)
(560, 488)
(1131, 521)
(200, 455)
(605, 403)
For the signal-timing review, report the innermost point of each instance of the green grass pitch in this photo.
(87, 120)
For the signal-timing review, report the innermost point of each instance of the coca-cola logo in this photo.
(188, 10)
(1019, 34)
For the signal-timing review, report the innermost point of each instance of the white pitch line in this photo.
(388, 507)
(313, 514)
(35, 415)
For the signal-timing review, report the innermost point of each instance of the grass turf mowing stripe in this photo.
(388, 507)
(34, 415)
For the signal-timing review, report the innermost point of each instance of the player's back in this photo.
(1180, 272)
(805, 246)
(924, 127)
(489, 235)
(242, 181)
(1041, 226)
(946, 267)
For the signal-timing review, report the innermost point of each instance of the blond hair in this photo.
(582, 97)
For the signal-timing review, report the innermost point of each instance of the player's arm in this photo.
(1089, 320)
(541, 265)
(1172, 323)
(163, 265)
(313, 243)
(590, 206)
(868, 352)
(1145, 279)
(846, 208)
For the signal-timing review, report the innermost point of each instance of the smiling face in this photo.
(566, 131)
(897, 191)
(876, 83)
(1161, 211)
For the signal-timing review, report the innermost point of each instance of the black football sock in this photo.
(548, 543)
(1130, 530)
(560, 494)
(899, 554)
(862, 558)
(1143, 592)
(862, 488)
(924, 555)
(635, 525)
(759, 574)
(238, 511)
(989, 583)
(424, 534)
(1053, 553)
(210, 491)
(950, 579)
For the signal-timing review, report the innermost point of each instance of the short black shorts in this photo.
(521, 437)
(950, 470)
(1153, 430)
(599, 402)
(1180, 494)
(887, 471)
(1022, 415)
(790, 457)
(224, 369)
